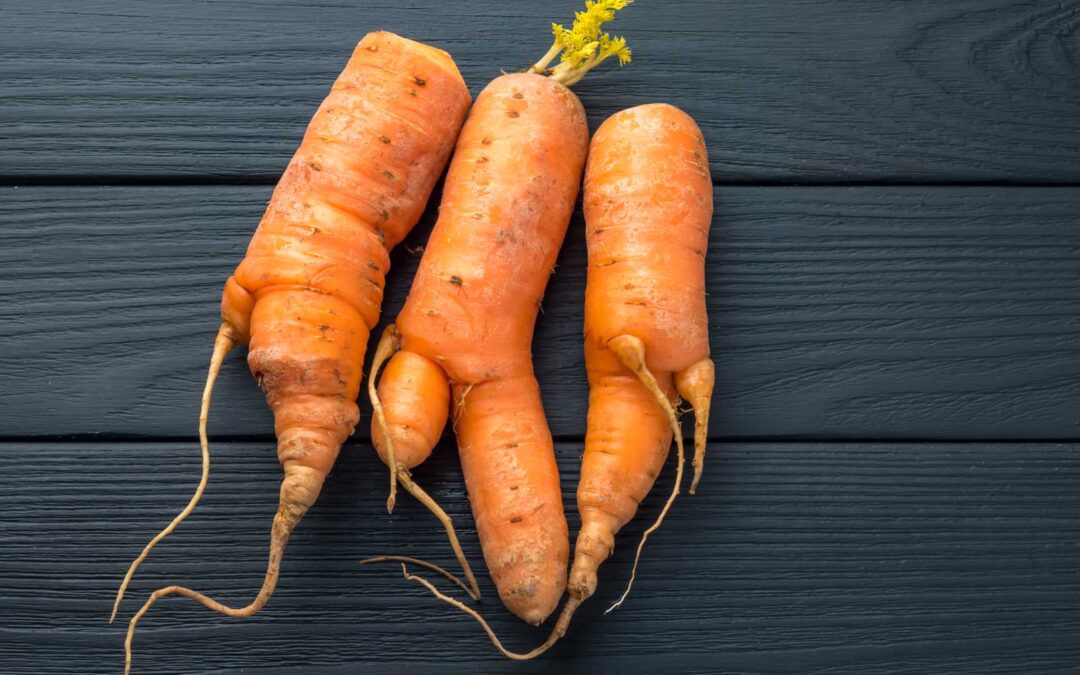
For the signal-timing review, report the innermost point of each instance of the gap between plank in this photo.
(723, 440)
(270, 180)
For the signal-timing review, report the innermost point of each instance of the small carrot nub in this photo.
(695, 384)
(390, 344)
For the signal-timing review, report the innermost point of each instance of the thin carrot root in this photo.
(433, 506)
(299, 490)
(389, 344)
(223, 344)
(695, 384)
(631, 353)
(471, 592)
(557, 631)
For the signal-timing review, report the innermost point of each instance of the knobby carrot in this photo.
(309, 290)
(648, 209)
(467, 325)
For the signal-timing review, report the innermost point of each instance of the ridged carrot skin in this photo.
(316, 266)
(310, 287)
(648, 209)
(468, 323)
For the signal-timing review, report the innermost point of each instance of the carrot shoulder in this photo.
(309, 289)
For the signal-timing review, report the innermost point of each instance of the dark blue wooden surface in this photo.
(894, 275)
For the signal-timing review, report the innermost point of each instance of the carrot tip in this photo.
(556, 633)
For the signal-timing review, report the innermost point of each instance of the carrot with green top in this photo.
(462, 343)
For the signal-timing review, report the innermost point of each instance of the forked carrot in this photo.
(309, 290)
(648, 209)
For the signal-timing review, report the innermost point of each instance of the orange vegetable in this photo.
(467, 328)
(468, 322)
(648, 208)
(309, 289)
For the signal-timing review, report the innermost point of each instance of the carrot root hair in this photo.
(695, 384)
(433, 506)
(559, 630)
(390, 344)
(298, 491)
(223, 344)
(631, 353)
(474, 594)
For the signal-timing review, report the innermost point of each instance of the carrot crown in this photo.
(583, 46)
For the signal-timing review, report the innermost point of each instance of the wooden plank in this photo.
(793, 558)
(836, 312)
(970, 90)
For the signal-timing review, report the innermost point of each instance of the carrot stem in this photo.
(584, 45)
(545, 60)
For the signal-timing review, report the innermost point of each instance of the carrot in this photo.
(648, 208)
(309, 290)
(467, 325)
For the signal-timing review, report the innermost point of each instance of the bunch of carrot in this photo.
(309, 290)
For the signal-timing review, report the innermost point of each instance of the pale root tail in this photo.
(299, 490)
(223, 344)
(631, 353)
(389, 344)
(557, 631)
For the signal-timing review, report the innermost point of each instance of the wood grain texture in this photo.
(793, 558)
(827, 90)
(836, 312)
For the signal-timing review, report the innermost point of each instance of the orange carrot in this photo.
(309, 289)
(648, 208)
(467, 325)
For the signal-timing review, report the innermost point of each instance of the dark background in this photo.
(893, 482)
